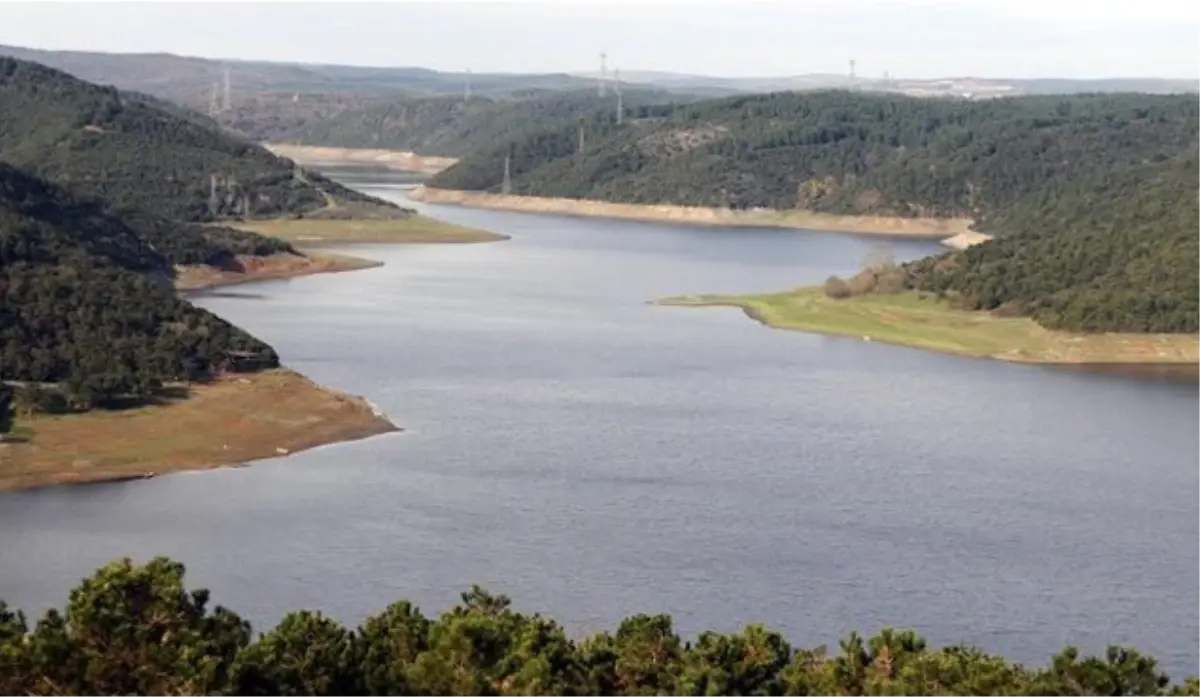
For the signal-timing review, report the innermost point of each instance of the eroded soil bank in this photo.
(927, 228)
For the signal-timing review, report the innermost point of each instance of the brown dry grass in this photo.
(263, 268)
(413, 229)
(927, 228)
(232, 420)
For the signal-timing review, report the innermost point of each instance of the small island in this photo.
(921, 320)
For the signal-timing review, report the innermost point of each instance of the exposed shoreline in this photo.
(330, 156)
(236, 419)
(230, 422)
(190, 279)
(942, 229)
(929, 325)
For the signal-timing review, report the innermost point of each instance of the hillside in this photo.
(1031, 167)
(86, 302)
(445, 126)
(140, 157)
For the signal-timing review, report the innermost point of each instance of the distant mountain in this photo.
(196, 80)
(971, 87)
(1016, 166)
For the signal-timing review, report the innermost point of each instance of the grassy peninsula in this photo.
(1085, 205)
(922, 321)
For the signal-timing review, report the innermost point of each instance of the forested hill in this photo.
(842, 152)
(87, 303)
(137, 155)
(1093, 197)
(447, 125)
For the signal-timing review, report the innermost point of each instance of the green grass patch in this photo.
(909, 319)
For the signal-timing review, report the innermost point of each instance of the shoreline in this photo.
(232, 421)
(332, 156)
(908, 321)
(311, 236)
(236, 419)
(953, 232)
(193, 279)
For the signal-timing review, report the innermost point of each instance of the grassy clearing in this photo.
(232, 420)
(910, 320)
(308, 232)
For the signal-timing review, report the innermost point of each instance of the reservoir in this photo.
(593, 456)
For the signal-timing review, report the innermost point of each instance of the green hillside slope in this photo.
(1096, 192)
(137, 156)
(87, 303)
(446, 126)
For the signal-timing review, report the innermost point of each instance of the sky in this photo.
(735, 38)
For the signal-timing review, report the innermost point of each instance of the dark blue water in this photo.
(593, 456)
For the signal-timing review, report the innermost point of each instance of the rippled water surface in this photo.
(593, 456)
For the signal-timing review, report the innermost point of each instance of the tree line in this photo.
(136, 629)
(1091, 196)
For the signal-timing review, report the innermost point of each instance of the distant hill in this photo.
(87, 303)
(189, 79)
(444, 126)
(1016, 165)
(965, 86)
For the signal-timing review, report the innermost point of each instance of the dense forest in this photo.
(86, 303)
(1092, 196)
(135, 630)
(447, 126)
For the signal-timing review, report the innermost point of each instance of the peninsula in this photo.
(921, 321)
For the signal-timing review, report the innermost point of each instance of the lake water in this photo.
(593, 456)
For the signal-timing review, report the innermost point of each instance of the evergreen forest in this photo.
(136, 629)
(450, 126)
(88, 314)
(1092, 197)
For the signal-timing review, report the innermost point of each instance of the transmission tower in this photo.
(228, 102)
(506, 187)
(581, 135)
(851, 71)
(620, 103)
(603, 72)
(214, 104)
(467, 89)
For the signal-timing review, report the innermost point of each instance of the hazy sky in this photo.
(986, 38)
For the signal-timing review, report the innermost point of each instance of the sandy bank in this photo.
(230, 421)
(284, 265)
(927, 228)
(326, 156)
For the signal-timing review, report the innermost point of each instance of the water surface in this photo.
(594, 456)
